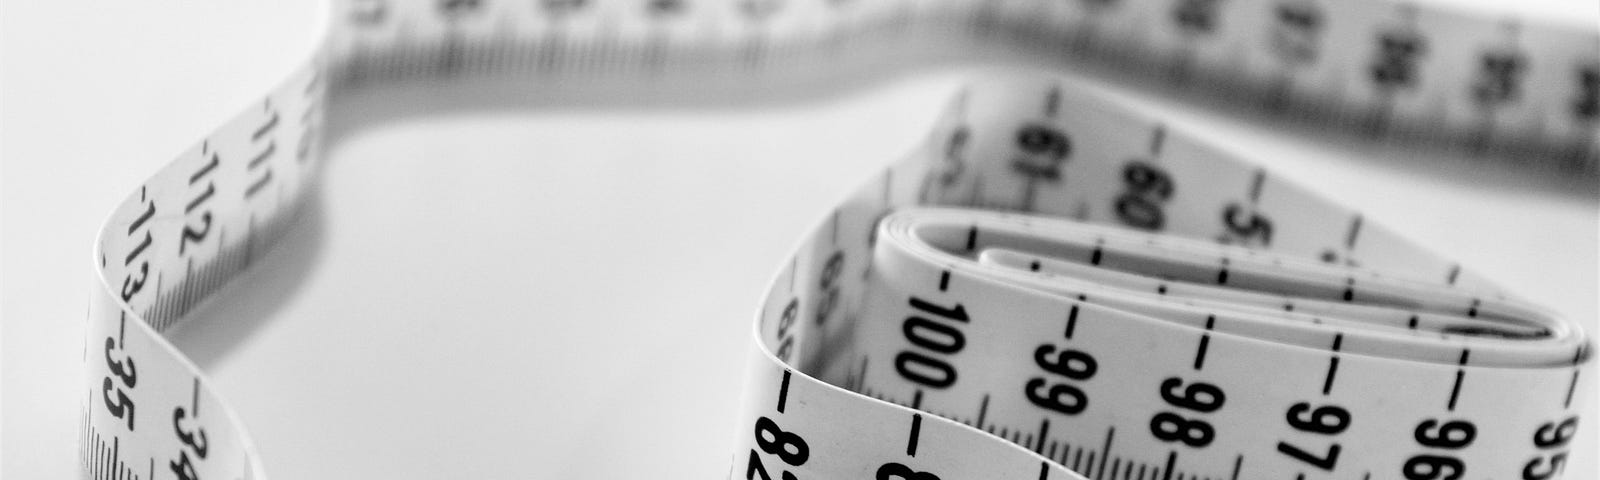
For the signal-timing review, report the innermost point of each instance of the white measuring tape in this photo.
(1051, 287)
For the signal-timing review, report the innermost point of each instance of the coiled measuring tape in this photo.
(1052, 287)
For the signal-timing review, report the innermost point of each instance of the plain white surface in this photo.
(561, 293)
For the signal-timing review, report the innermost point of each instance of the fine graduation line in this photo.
(1052, 102)
(983, 410)
(264, 155)
(1105, 452)
(1205, 341)
(833, 231)
(1333, 364)
(1461, 374)
(916, 430)
(1044, 429)
(1072, 321)
(783, 391)
(269, 125)
(1577, 360)
(1257, 179)
(1158, 138)
(194, 399)
(1354, 233)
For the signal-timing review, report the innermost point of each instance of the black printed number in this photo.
(1044, 141)
(1443, 437)
(1198, 397)
(1554, 435)
(194, 440)
(1434, 467)
(1296, 34)
(1551, 438)
(829, 298)
(1398, 55)
(932, 330)
(893, 470)
(1148, 189)
(791, 312)
(1044, 149)
(1326, 420)
(772, 440)
(1447, 435)
(191, 232)
(1322, 420)
(1245, 226)
(1065, 397)
(132, 284)
(1499, 76)
(122, 407)
(183, 467)
(126, 375)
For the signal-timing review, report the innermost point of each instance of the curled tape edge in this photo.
(244, 184)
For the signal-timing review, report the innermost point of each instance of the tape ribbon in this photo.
(1051, 287)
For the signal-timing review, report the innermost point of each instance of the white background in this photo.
(518, 295)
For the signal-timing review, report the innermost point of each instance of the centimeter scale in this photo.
(1051, 286)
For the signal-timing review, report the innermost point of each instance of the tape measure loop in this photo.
(1053, 286)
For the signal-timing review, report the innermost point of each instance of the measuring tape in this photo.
(1051, 287)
